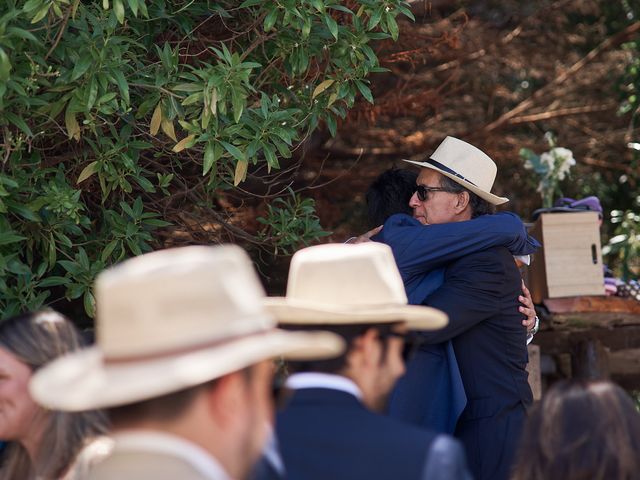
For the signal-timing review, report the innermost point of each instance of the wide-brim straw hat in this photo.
(171, 320)
(336, 284)
(464, 164)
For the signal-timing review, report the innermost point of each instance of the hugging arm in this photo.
(421, 248)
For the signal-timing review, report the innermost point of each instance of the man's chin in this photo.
(422, 220)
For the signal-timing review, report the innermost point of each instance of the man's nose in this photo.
(414, 201)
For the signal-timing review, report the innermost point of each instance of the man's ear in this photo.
(224, 397)
(462, 201)
(367, 344)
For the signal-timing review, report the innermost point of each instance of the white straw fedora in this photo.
(344, 284)
(170, 320)
(465, 164)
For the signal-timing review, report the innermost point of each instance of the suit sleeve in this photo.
(421, 248)
(446, 461)
(471, 293)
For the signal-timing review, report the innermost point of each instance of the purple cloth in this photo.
(588, 203)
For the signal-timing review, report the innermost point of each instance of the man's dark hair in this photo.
(163, 408)
(479, 206)
(389, 194)
(349, 332)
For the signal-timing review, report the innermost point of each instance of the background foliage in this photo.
(130, 125)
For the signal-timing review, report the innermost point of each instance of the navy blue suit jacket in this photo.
(431, 393)
(480, 295)
(328, 434)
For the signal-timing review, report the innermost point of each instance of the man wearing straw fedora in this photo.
(181, 364)
(328, 428)
(480, 294)
(421, 254)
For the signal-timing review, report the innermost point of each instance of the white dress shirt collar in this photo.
(167, 444)
(298, 381)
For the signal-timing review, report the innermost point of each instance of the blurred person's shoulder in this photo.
(91, 454)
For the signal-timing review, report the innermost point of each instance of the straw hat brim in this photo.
(488, 196)
(83, 381)
(290, 311)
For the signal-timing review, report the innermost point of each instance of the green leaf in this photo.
(92, 94)
(5, 66)
(10, 237)
(31, 6)
(133, 5)
(233, 150)
(88, 301)
(18, 122)
(118, 9)
(73, 128)
(406, 12)
(123, 86)
(187, 87)
(24, 34)
(364, 90)
(23, 211)
(108, 250)
(81, 66)
(375, 18)
(270, 19)
(41, 13)
(392, 26)
(331, 124)
(237, 101)
(332, 25)
(53, 281)
(62, 238)
(209, 158)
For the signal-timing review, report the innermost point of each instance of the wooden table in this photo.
(590, 337)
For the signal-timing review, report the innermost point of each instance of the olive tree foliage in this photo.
(121, 118)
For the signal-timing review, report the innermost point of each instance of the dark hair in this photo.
(479, 206)
(389, 194)
(36, 339)
(349, 332)
(163, 408)
(581, 430)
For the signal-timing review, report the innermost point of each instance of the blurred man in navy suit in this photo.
(329, 428)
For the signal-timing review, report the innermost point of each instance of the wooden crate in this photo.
(570, 260)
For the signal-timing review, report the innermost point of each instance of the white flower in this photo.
(547, 159)
(563, 154)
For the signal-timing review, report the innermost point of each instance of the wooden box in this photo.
(570, 260)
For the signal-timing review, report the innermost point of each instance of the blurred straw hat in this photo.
(170, 320)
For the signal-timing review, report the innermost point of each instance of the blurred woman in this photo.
(581, 430)
(42, 443)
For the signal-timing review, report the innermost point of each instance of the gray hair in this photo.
(479, 206)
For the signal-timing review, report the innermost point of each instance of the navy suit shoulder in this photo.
(326, 434)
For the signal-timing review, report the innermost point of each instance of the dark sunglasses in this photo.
(423, 191)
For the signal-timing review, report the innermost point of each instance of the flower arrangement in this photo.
(552, 167)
